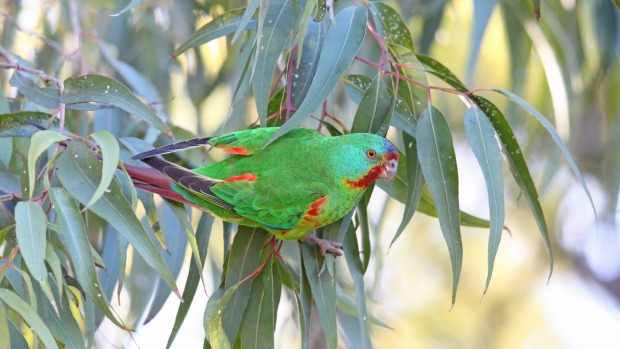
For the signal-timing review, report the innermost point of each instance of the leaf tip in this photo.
(170, 135)
(178, 294)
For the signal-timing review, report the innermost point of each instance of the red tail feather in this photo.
(151, 180)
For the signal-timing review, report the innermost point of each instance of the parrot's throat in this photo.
(367, 180)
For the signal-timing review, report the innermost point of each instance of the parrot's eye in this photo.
(371, 153)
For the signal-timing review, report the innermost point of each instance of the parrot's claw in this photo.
(333, 247)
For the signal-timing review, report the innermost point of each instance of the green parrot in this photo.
(300, 182)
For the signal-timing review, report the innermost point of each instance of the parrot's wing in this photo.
(276, 207)
(250, 141)
(244, 142)
(193, 182)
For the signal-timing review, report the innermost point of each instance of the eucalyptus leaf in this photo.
(481, 137)
(438, 163)
(79, 248)
(224, 24)
(78, 171)
(39, 143)
(31, 226)
(101, 89)
(343, 41)
(29, 315)
(16, 124)
(110, 153)
(276, 26)
(44, 96)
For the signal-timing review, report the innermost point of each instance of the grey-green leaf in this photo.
(438, 162)
(225, 24)
(39, 143)
(343, 41)
(390, 25)
(76, 241)
(323, 288)
(110, 153)
(79, 171)
(31, 226)
(45, 96)
(556, 137)
(101, 89)
(29, 315)
(276, 31)
(415, 183)
(16, 125)
(375, 110)
(481, 137)
(259, 319)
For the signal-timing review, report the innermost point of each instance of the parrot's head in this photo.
(366, 157)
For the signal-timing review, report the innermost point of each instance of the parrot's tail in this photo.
(151, 180)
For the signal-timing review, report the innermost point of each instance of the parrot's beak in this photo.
(389, 170)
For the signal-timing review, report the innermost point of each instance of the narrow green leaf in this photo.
(413, 95)
(248, 14)
(44, 96)
(259, 319)
(303, 28)
(323, 288)
(516, 161)
(5, 337)
(481, 137)
(54, 262)
(177, 243)
(556, 137)
(224, 24)
(243, 259)
(180, 213)
(110, 152)
(276, 26)
(130, 6)
(31, 225)
(16, 125)
(67, 331)
(351, 252)
(219, 339)
(402, 118)
(29, 315)
(308, 54)
(100, 89)
(305, 300)
(415, 183)
(38, 144)
(203, 233)
(375, 110)
(438, 163)
(362, 214)
(78, 171)
(390, 25)
(76, 241)
(343, 41)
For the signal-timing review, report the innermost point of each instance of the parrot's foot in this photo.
(333, 247)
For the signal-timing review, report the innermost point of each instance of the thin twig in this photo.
(51, 43)
(12, 63)
(75, 22)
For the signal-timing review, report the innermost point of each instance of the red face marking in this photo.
(373, 174)
(314, 207)
(240, 151)
(244, 177)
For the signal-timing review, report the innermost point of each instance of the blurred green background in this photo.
(566, 65)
